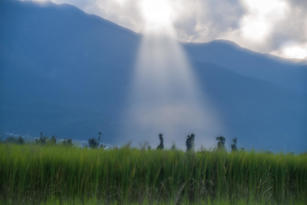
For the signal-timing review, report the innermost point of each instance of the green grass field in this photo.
(34, 174)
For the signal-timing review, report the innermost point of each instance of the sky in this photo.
(277, 27)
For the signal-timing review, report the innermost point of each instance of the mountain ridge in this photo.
(72, 80)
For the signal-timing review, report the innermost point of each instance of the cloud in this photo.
(261, 15)
(292, 50)
(260, 25)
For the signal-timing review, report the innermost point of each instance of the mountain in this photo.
(67, 73)
(279, 71)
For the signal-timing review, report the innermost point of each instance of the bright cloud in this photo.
(157, 13)
(293, 50)
(268, 26)
(261, 15)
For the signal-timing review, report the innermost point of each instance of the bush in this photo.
(67, 142)
(93, 143)
(15, 140)
(42, 140)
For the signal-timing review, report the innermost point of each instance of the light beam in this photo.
(165, 96)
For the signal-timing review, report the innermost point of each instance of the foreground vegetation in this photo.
(58, 174)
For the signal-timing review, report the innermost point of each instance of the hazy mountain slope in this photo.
(58, 66)
(260, 114)
(227, 54)
(68, 73)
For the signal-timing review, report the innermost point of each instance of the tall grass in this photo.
(38, 174)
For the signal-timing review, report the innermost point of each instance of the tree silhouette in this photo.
(67, 142)
(15, 140)
(234, 144)
(52, 140)
(20, 140)
(190, 142)
(161, 145)
(221, 143)
(93, 143)
(42, 139)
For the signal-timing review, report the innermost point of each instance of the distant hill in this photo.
(279, 71)
(67, 73)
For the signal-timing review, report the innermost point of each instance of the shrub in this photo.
(93, 143)
(67, 142)
(42, 140)
(52, 140)
(15, 140)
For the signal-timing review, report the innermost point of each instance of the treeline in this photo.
(41, 140)
(95, 142)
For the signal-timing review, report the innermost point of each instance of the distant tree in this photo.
(10, 140)
(67, 142)
(173, 147)
(127, 145)
(14, 140)
(42, 140)
(102, 146)
(221, 143)
(93, 143)
(148, 147)
(161, 145)
(145, 146)
(20, 140)
(52, 140)
(234, 145)
(190, 142)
